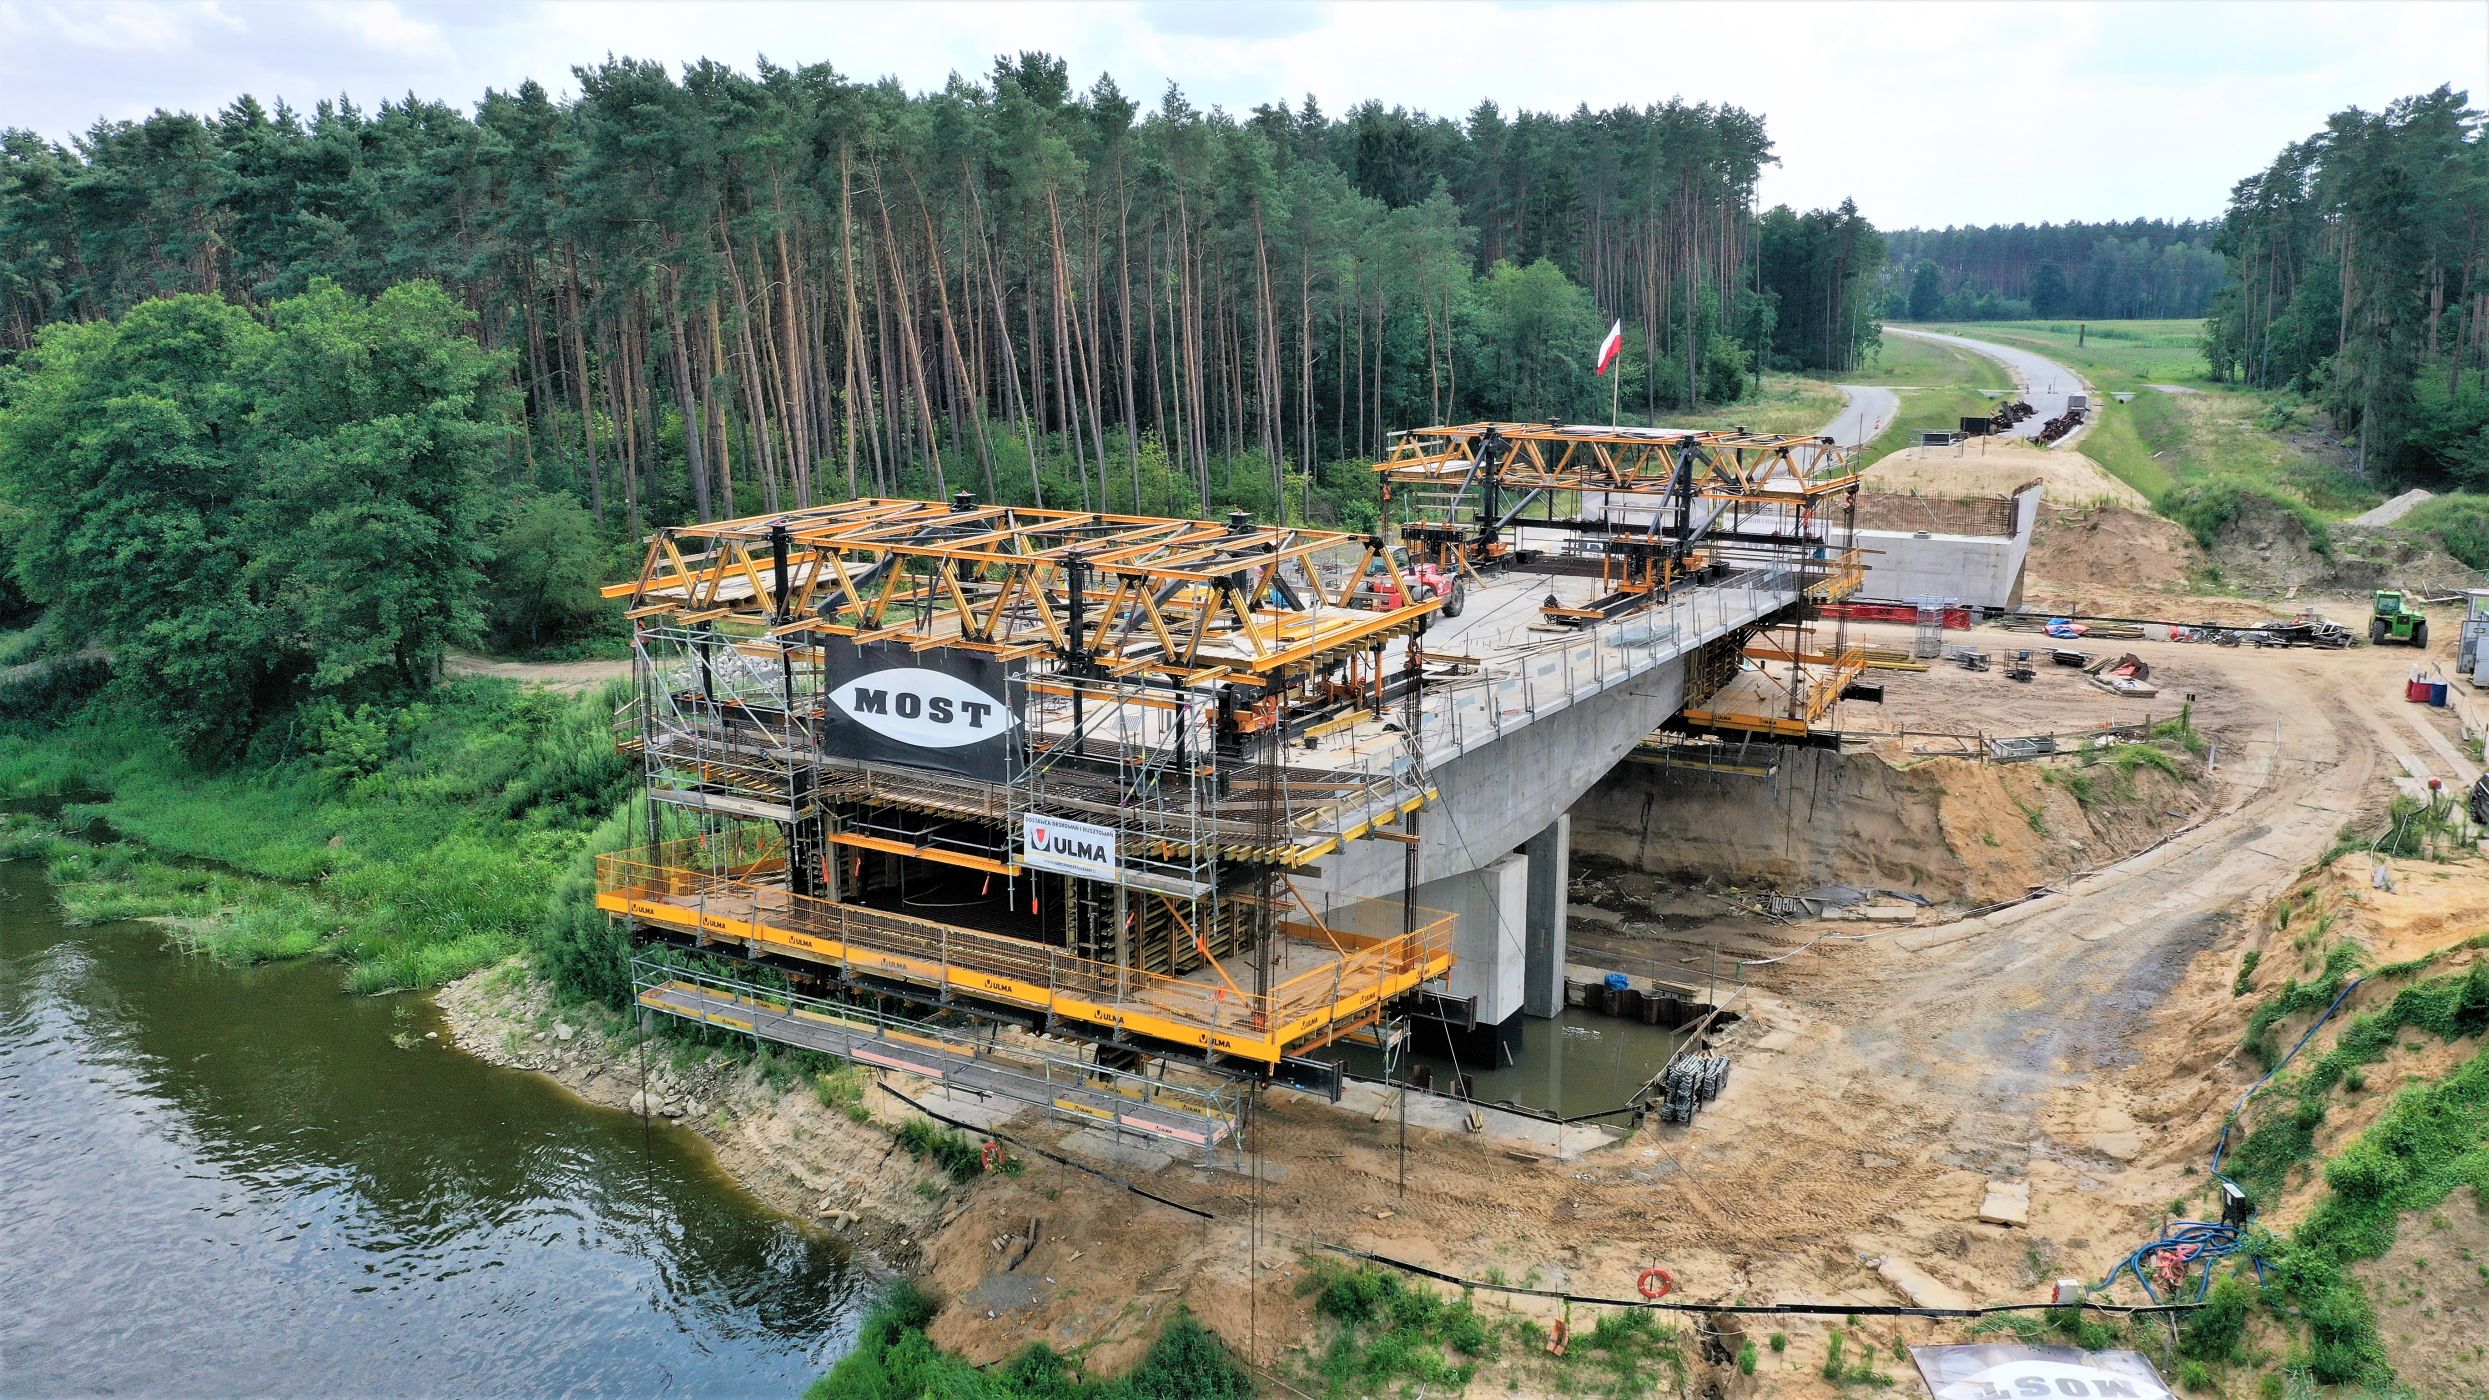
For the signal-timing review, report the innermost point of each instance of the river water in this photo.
(221, 1182)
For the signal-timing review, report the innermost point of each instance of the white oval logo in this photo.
(921, 706)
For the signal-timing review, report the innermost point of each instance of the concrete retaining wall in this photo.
(1981, 570)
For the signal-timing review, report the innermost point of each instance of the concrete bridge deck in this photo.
(1541, 714)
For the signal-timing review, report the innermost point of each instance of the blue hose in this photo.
(2212, 1240)
(2215, 1240)
(2221, 1145)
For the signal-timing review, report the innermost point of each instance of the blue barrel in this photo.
(2437, 694)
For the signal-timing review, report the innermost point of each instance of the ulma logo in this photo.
(1069, 845)
(924, 707)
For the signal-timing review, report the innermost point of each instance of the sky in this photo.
(1928, 114)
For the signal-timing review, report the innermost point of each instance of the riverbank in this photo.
(412, 847)
(1039, 1253)
(230, 1180)
(824, 1154)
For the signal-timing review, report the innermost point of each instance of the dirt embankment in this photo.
(2079, 552)
(2265, 549)
(801, 1155)
(1951, 830)
(2429, 1290)
(1997, 467)
(1046, 1253)
(2367, 559)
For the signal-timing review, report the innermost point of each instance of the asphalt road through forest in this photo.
(2045, 383)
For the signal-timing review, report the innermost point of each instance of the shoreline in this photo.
(1013, 1258)
(795, 1153)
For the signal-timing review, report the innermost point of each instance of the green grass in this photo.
(2116, 442)
(2449, 1007)
(2299, 998)
(2427, 1144)
(2158, 442)
(1787, 403)
(1938, 387)
(948, 1148)
(1924, 409)
(1903, 362)
(1393, 1337)
(2460, 521)
(2114, 355)
(432, 864)
(893, 1360)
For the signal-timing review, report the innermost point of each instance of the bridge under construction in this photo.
(1102, 812)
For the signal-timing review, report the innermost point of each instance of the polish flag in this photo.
(1607, 348)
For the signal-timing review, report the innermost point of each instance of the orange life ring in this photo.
(993, 1155)
(1656, 1282)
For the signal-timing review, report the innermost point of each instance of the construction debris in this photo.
(1689, 1082)
(1836, 900)
(2126, 675)
(2006, 1203)
(2061, 425)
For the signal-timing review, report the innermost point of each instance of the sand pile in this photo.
(1995, 467)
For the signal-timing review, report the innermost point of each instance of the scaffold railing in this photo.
(1347, 975)
(719, 722)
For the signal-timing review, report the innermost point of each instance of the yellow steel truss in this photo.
(1195, 600)
(1549, 457)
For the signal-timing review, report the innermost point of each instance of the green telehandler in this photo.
(2396, 621)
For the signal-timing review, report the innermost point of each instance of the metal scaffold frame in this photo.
(1192, 600)
(1204, 1117)
(1150, 671)
(1657, 509)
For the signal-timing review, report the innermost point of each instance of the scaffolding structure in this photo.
(1652, 510)
(1028, 766)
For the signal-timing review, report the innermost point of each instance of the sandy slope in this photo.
(1995, 466)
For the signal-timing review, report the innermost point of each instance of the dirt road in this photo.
(1899, 1075)
(569, 676)
(1881, 1083)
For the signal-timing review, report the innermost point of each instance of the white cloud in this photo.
(1924, 112)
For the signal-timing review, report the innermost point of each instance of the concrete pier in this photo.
(1549, 854)
(1510, 749)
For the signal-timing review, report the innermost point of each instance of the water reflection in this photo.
(218, 1182)
(1577, 1063)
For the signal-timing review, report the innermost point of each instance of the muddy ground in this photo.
(2081, 1042)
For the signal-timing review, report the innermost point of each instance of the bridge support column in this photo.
(1487, 942)
(1542, 979)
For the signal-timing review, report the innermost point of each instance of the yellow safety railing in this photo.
(720, 896)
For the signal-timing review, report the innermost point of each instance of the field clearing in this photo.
(1924, 364)
(2113, 355)
(1941, 407)
(1938, 385)
(2158, 441)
